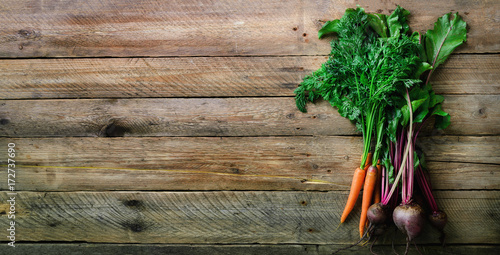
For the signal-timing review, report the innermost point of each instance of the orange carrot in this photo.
(378, 184)
(357, 183)
(368, 161)
(369, 187)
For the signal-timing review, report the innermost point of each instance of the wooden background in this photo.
(169, 127)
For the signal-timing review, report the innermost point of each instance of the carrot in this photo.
(378, 184)
(368, 161)
(357, 183)
(369, 187)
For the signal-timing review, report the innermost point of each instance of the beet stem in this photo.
(420, 128)
(391, 151)
(401, 170)
(383, 184)
(424, 183)
(411, 171)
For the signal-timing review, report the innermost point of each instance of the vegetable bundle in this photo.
(377, 76)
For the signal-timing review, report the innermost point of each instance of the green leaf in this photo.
(378, 23)
(444, 38)
(300, 99)
(397, 22)
(442, 122)
(439, 111)
(393, 124)
(435, 99)
(416, 160)
(443, 119)
(422, 161)
(421, 115)
(424, 66)
(329, 27)
(415, 104)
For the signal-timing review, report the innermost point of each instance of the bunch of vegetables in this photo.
(378, 76)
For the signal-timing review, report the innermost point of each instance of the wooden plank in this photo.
(207, 28)
(236, 163)
(452, 148)
(471, 115)
(290, 249)
(454, 176)
(468, 74)
(206, 76)
(208, 117)
(169, 117)
(228, 217)
(154, 77)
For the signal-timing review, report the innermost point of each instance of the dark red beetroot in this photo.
(377, 213)
(409, 219)
(438, 219)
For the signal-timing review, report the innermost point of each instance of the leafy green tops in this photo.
(376, 66)
(368, 63)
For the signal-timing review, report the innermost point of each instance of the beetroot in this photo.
(438, 219)
(409, 219)
(377, 213)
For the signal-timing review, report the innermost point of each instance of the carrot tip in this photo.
(337, 227)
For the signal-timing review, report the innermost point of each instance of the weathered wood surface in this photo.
(471, 115)
(289, 249)
(200, 171)
(206, 76)
(228, 217)
(234, 163)
(206, 28)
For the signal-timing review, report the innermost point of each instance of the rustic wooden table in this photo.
(169, 127)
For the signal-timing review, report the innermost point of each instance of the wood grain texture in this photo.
(233, 163)
(290, 249)
(456, 148)
(154, 77)
(450, 176)
(207, 28)
(206, 76)
(471, 115)
(157, 127)
(229, 217)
